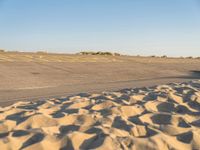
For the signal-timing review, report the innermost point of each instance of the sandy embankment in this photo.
(161, 117)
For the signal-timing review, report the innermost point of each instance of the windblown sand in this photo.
(160, 117)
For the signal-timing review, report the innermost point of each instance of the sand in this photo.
(160, 117)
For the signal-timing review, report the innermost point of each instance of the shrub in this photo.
(1, 50)
(153, 56)
(190, 57)
(117, 54)
(164, 56)
(99, 53)
(41, 52)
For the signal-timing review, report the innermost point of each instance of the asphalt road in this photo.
(41, 80)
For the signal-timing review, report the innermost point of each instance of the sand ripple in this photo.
(159, 117)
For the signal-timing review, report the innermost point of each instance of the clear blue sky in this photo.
(145, 27)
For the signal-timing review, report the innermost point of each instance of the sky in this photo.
(134, 27)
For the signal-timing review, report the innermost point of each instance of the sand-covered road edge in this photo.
(159, 117)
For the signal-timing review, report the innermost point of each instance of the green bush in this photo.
(41, 52)
(1, 50)
(99, 53)
(164, 56)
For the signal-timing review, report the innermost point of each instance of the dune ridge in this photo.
(160, 117)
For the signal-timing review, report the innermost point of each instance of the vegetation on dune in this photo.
(1, 50)
(153, 56)
(189, 57)
(99, 53)
(41, 52)
(164, 56)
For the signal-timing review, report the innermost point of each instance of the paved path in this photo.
(40, 80)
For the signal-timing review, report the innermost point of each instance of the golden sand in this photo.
(161, 117)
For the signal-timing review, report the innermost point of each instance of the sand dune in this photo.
(159, 117)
